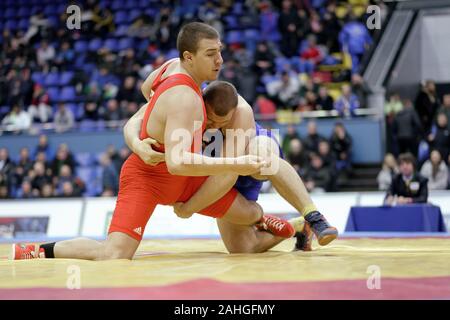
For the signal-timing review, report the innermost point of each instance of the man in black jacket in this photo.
(407, 129)
(408, 186)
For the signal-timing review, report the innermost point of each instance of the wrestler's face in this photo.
(217, 122)
(208, 59)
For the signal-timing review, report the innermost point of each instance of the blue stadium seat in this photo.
(38, 77)
(80, 46)
(111, 44)
(88, 126)
(11, 25)
(80, 60)
(50, 10)
(133, 15)
(95, 44)
(280, 63)
(66, 77)
(131, 4)
(173, 53)
(121, 17)
(121, 31)
(24, 11)
(24, 24)
(72, 107)
(231, 22)
(10, 13)
(117, 5)
(234, 37)
(126, 43)
(53, 93)
(52, 79)
(67, 94)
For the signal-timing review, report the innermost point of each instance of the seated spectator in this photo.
(407, 129)
(328, 158)
(291, 134)
(103, 21)
(91, 111)
(40, 177)
(297, 156)
(427, 104)
(127, 91)
(319, 172)
(388, 171)
(17, 120)
(341, 146)
(312, 139)
(64, 119)
(25, 160)
(436, 171)
(408, 186)
(6, 165)
(264, 106)
(40, 110)
(324, 100)
(110, 177)
(310, 85)
(264, 60)
(47, 191)
(288, 24)
(308, 103)
(360, 89)
(312, 52)
(439, 139)
(45, 54)
(43, 146)
(113, 112)
(26, 191)
(64, 57)
(284, 91)
(63, 157)
(143, 28)
(68, 190)
(445, 108)
(347, 102)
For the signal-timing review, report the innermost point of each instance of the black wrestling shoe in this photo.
(324, 232)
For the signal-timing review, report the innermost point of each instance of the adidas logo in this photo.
(138, 231)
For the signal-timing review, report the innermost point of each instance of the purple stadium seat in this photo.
(87, 126)
(173, 53)
(72, 107)
(126, 43)
(52, 79)
(24, 24)
(50, 10)
(24, 11)
(234, 37)
(117, 5)
(134, 14)
(121, 17)
(281, 63)
(10, 13)
(111, 44)
(131, 4)
(65, 78)
(81, 46)
(231, 22)
(38, 77)
(121, 31)
(67, 94)
(11, 25)
(95, 44)
(53, 94)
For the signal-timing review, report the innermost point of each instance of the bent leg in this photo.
(245, 239)
(118, 245)
(243, 212)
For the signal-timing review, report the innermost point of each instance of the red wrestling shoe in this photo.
(278, 227)
(25, 252)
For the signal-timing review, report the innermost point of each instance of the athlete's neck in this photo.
(190, 71)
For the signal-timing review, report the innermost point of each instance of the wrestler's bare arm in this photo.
(183, 110)
(215, 187)
(146, 87)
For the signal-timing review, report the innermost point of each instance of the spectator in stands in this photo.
(310, 85)
(354, 39)
(63, 157)
(312, 53)
(360, 89)
(43, 146)
(407, 129)
(38, 23)
(91, 111)
(40, 109)
(331, 27)
(445, 108)
(290, 135)
(103, 21)
(6, 165)
(127, 91)
(64, 57)
(284, 91)
(4, 191)
(388, 171)
(68, 190)
(324, 100)
(268, 21)
(288, 23)
(426, 104)
(25, 160)
(17, 120)
(264, 60)
(436, 171)
(143, 27)
(439, 138)
(113, 112)
(110, 177)
(393, 106)
(297, 156)
(264, 106)
(40, 177)
(312, 139)
(64, 119)
(408, 186)
(341, 146)
(347, 102)
(45, 54)
(319, 172)
(26, 191)
(47, 191)
(308, 103)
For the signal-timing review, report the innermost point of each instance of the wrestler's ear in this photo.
(187, 56)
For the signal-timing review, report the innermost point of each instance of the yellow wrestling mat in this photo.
(201, 269)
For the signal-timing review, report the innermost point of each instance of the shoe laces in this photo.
(275, 223)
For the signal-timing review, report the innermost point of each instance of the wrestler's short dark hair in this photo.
(407, 157)
(191, 34)
(221, 96)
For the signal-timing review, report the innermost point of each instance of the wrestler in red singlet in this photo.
(142, 187)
